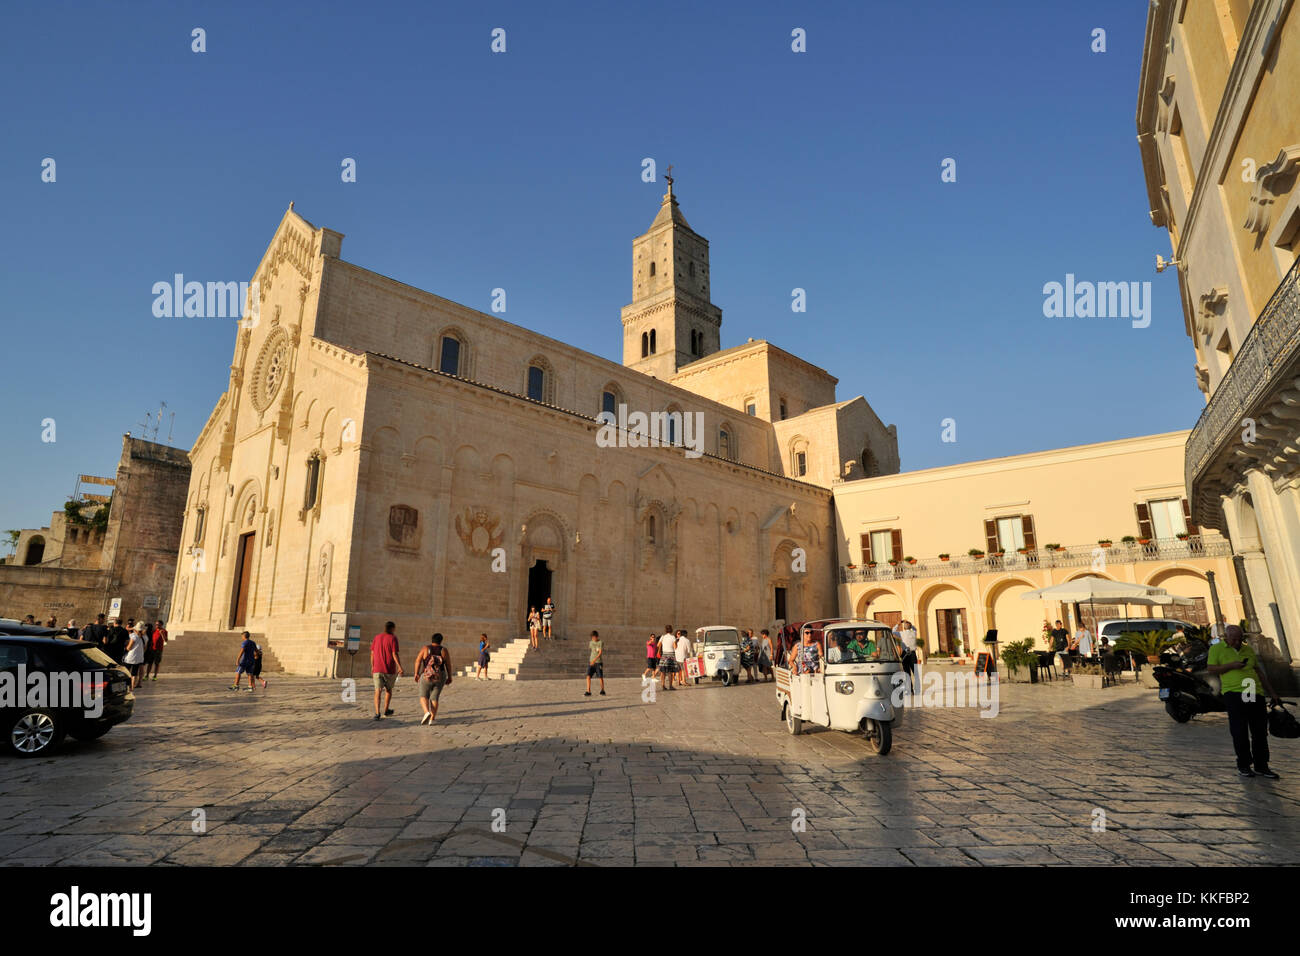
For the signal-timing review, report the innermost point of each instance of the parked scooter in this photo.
(1186, 687)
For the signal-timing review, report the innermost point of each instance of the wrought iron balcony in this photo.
(1266, 361)
(1073, 556)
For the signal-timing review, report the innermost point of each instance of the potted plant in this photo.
(893, 562)
(1146, 644)
(852, 567)
(1183, 536)
(871, 564)
(1017, 656)
(1054, 547)
(944, 557)
(1089, 676)
(910, 560)
(1144, 541)
(1022, 550)
(1127, 539)
(999, 552)
(975, 553)
(1105, 542)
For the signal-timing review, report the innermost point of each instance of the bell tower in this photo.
(671, 321)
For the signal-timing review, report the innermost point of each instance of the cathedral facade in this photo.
(391, 455)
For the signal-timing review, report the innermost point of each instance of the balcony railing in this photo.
(1073, 556)
(1269, 349)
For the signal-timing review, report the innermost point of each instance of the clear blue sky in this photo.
(522, 170)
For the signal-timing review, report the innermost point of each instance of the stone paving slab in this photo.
(531, 773)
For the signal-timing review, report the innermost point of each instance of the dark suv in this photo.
(85, 693)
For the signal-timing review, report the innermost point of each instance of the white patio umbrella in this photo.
(1091, 589)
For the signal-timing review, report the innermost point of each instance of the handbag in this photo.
(1282, 723)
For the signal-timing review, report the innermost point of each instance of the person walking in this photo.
(534, 625)
(159, 642)
(548, 612)
(1238, 669)
(385, 668)
(595, 663)
(134, 656)
(1061, 646)
(257, 665)
(765, 654)
(749, 655)
(245, 662)
(651, 658)
(432, 674)
(148, 651)
(667, 659)
(682, 651)
(907, 636)
(484, 657)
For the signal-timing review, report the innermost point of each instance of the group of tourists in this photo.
(138, 645)
(539, 623)
(432, 672)
(667, 654)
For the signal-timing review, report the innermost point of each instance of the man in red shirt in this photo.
(386, 667)
(158, 642)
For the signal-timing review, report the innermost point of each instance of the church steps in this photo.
(212, 652)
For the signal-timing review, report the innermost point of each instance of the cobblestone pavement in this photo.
(705, 775)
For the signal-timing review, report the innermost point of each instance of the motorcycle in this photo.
(1185, 685)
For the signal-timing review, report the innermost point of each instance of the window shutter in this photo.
(990, 535)
(1027, 523)
(866, 549)
(896, 543)
(1187, 518)
(1144, 519)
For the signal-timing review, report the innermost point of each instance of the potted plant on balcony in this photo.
(893, 562)
(910, 560)
(871, 564)
(1022, 550)
(999, 552)
(852, 567)
(1147, 644)
(1105, 542)
(1128, 539)
(1144, 541)
(944, 557)
(1054, 547)
(975, 553)
(1183, 536)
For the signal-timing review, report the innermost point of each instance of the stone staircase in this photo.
(212, 652)
(553, 659)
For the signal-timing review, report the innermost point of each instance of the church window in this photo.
(801, 464)
(536, 383)
(783, 410)
(312, 493)
(610, 398)
(750, 407)
(652, 342)
(691, 268)
(652, 268)
(726, 444)
(645, 344)
(650, 529)
(539, 380)
(200, 523)
(449, 359)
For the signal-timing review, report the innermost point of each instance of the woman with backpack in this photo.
(432, 674)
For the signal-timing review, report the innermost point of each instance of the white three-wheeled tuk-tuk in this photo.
(718, 650)
(847, 684)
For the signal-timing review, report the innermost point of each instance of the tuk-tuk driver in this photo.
(863, 646)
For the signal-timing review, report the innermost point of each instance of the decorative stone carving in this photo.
(1212, 304)
(404, 528)
(324, 568)
(270, 369)
(479, 531)
(1271, 181)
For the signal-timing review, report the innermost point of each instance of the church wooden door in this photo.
(243, 568)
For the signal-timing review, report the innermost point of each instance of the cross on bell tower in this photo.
(671, 320)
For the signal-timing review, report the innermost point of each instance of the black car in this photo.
(74, 672)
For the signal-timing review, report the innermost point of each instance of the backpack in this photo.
(1282, 723)
(434, 669)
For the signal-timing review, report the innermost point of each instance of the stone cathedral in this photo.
(388, 454)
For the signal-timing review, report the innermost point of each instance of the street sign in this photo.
(115, 607)
(354, 638)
